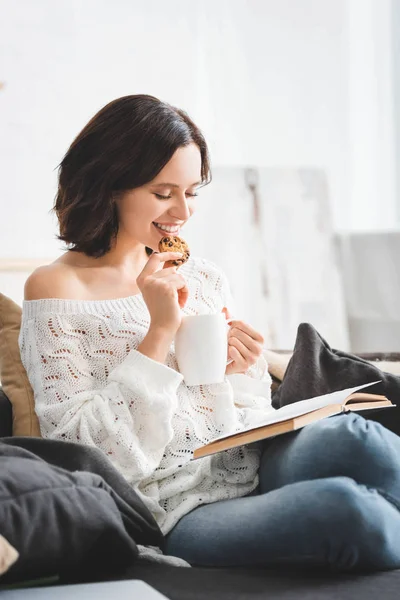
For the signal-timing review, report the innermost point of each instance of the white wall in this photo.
(371, 116)
(264, 79)
(273, 83)
(395, 42)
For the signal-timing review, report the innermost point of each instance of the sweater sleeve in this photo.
(129, 417)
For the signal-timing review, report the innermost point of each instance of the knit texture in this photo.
(92, 386)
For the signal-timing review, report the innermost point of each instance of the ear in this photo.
(227, 313)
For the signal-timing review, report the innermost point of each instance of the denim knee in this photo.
(362, 527)
(361, 441)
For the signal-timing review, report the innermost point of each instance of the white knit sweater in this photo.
(92, 386)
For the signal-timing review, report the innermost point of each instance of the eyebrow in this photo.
(173, 185)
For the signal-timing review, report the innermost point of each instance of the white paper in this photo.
(297, 409)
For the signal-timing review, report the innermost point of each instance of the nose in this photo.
(181, 209)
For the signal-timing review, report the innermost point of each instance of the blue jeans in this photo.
(329, 495)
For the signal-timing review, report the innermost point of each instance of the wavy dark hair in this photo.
(124, 146)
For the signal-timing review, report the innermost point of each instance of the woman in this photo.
(97, 342)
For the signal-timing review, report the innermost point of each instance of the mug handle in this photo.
(228, 321)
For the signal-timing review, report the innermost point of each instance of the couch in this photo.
(178, 583)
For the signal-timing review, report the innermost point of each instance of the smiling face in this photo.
(167, 201)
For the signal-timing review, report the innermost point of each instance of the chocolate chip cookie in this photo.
(173, 243)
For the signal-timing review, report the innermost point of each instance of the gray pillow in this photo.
(60, 522)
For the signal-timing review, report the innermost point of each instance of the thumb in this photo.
(226, 313)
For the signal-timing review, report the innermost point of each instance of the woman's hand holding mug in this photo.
(245, 345)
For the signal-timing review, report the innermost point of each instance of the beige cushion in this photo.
(8, 555)
(277, 363)
(14, 379)
(387, 366)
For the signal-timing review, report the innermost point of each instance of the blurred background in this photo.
(299, 102)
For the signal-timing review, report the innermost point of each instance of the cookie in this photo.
(173, 243)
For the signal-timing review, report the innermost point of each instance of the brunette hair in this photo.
(124, 146)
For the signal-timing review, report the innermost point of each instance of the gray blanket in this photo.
(315, 369)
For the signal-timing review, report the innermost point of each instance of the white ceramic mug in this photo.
(201, 348)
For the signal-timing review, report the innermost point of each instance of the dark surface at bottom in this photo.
(179, 583)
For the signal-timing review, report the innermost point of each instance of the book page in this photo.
(297, 409)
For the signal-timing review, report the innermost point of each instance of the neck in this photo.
(126, 253)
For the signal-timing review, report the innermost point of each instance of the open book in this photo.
(298, 415)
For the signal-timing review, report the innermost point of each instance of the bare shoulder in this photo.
(56, 280)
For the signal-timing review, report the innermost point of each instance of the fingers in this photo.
(167, 278)
(239, 325)
(170, 263)
(170, 274)
(170, 281)
(166, 272)
(183, 295)
(249, 356)
(252, 346)
(156, 259)
(177, 281)
(226, 312)
(238, 365)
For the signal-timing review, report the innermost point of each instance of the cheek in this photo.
(137, 208)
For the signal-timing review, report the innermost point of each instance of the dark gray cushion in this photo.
(315, 369)
(138, 520)
(5, 415)
(62, 522)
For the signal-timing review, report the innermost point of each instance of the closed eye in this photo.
(161, 197)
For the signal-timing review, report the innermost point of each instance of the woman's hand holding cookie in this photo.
(164, 291)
